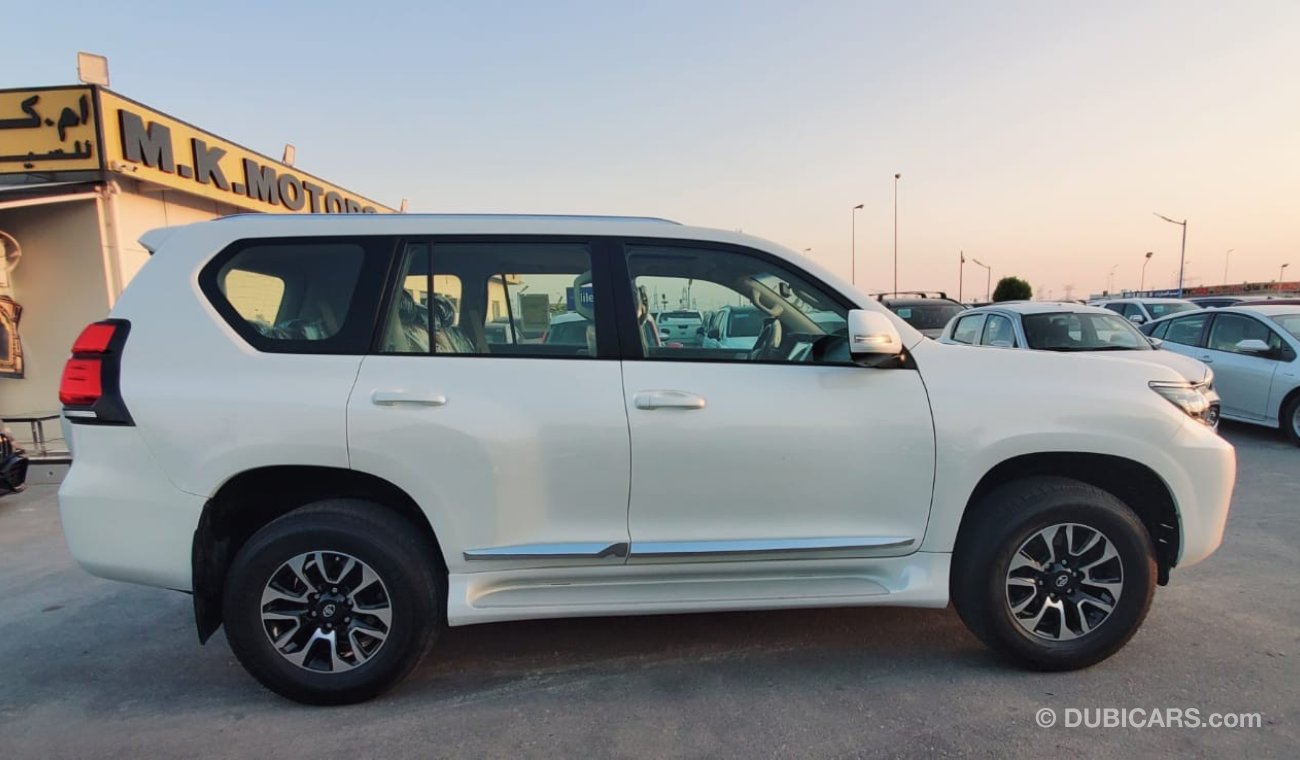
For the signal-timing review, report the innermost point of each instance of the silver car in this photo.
(1052, 326)
(1253, 350)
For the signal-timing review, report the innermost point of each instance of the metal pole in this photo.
(1225, 264)
(1142, 286)
(1182, 260)
(961, 275)
(988, 284)
(896, 176)
(853, 246)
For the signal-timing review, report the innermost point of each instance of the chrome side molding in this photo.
(743, 547)
(572, 550)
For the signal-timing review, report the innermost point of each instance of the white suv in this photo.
(300, 421)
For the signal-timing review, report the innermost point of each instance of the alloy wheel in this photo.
(326, 611)
(1064, 581)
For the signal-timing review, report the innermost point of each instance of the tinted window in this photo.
(771, 308)
(928, 316)
(1115, 307)
(1069, 331)
(1159, 310)
(967, 329)
(1187, 330)
(1133, 310)
(514, 299)
(1230, 329)
(1290, 323)
(299, 295)
(1159, 330)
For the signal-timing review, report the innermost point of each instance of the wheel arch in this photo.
(253, 498)
(1133, 483)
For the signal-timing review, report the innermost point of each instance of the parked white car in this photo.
(734, 327)
(1142, 310)
(294, 419)
(1074, 328)
(1255, 352)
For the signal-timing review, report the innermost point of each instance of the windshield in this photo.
(928, 316)
(1082, 332)
(1158, 309)
(1289, 322)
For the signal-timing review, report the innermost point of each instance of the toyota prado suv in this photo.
(302, 422)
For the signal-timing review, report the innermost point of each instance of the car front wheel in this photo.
(1053, 573)
(1291, 420)
(332, 603)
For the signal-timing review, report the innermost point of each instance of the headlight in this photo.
(1190, 398)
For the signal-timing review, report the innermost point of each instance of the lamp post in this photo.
(961, 275)
(1182, 256)
(1225, 265)
(1110, 279)
(1142, 285)
(988, 279)
(896, 178)
(1279, 276)
(853, 245)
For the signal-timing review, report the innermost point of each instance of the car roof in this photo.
(915, 301)
(1042, 307)
(1144, 299)
(1265, 308)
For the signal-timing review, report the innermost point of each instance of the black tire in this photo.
(993, 533)
(393, 548)
(1291, 420)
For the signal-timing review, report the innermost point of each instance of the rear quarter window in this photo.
(299, 295)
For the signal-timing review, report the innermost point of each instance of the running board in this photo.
(844, 546)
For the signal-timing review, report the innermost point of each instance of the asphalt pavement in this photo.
(95, 669)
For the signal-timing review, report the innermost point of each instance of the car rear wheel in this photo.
(333, 603)
(1053, 573)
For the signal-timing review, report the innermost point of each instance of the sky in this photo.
(1037, 137)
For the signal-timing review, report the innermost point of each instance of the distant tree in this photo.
(1012, 289)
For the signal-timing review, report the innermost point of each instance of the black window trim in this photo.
(363, 314)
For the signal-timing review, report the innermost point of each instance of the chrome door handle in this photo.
(668, 400)
(1207, 360)
(418, 398)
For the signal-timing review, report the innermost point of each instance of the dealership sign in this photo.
(89, 128)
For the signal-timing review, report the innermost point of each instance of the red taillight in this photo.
(82, 382)
(83, 375)
(94, 339)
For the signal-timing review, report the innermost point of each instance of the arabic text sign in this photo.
(48, 130)
(152, 146)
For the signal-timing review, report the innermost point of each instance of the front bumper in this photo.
(1202, 487)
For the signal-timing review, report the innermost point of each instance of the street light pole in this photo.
(896, 177)
(1182, 257)
(988, 279)
(1225, 265)
(1279, 276)
(1142, 286)
(853, 245)
(961, 276)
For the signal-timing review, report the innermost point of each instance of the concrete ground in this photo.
(93, 669)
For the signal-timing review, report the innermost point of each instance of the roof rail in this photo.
(481, 217)
(917, 293)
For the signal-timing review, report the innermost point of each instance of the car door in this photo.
(745, 454)
(518, 451)
(1242, 379)
(1186, 335)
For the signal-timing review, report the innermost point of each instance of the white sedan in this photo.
(1050, 326)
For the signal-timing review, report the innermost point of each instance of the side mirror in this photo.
(1155, 342)
(873, 339)
(714, 334)
(1137, 319)
(1253, 346)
